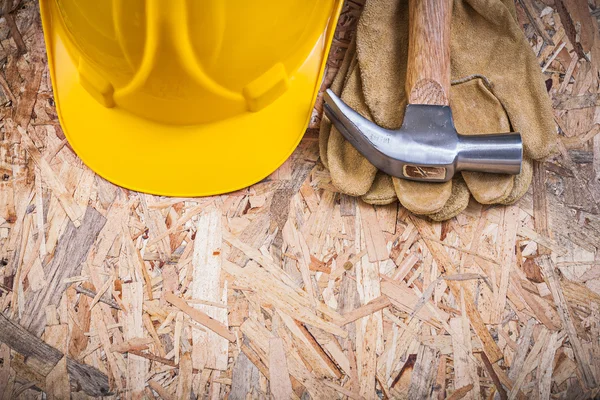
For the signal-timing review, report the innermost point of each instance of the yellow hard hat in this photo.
(186, 97)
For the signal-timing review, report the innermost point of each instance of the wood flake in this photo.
(209, 349)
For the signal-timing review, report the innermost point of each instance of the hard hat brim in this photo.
(175, 160)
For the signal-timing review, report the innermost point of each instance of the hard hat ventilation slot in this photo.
(266, 88)
(95, 84)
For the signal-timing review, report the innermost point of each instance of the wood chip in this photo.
(90, 379)
(57, 381)
(209, 349)
(374, 238)
(73, 210)
(200, 317)
(279, 378)
(137, 367)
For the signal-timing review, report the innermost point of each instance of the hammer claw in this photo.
(369, 139)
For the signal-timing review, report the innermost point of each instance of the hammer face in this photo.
(427, 146)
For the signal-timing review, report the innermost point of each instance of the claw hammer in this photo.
(427, 146)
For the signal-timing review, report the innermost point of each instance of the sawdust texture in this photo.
(288, 289)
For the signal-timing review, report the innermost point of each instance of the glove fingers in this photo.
(382, 191)
(324, 131)
(477, 111)
(522, 182)
(422, 197)
(489, 188)
(336, 86)
(350, 172)
(458, 201)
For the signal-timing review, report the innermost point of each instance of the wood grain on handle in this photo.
(428, 70)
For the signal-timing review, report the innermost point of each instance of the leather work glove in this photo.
(497, 87)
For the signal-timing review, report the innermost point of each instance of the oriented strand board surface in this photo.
(288, 289)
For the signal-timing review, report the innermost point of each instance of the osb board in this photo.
(288, 289)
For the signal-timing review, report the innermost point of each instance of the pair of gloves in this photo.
(497, 87)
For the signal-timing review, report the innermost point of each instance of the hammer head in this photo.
(427, 146)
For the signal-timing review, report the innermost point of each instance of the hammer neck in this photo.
(496, 153)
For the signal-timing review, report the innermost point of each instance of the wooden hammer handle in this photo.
(428, 70)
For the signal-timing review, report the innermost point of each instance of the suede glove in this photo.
(497, 87)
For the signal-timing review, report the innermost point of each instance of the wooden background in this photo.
(287, 289)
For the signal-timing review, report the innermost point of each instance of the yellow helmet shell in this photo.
(186, 97)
